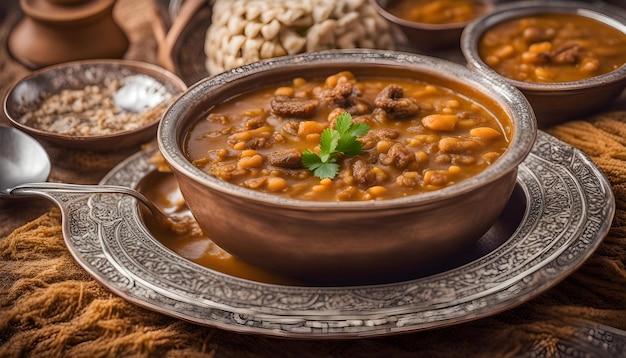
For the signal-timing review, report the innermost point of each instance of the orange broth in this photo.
(436, 11)
(162, 189)
(553, 47)
(422, 137)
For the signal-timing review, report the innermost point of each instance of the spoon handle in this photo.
(27, 189)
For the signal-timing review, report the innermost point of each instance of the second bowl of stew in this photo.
(567, 57)
(432, 25)
(347, 165)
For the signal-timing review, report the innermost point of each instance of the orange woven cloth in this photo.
(50, 307)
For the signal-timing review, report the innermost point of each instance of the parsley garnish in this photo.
(342, 140)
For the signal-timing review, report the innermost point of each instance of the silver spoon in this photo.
(139, 93)
(25, 166)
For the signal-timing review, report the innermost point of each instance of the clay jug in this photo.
(55, 31)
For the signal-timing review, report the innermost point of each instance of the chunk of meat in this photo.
(290, 128)
(259, 143)
(298, 173)
(409, 179)
(255, 122)
(226, 171)
(347, 193)
(253, 138)
(567, 55)
(343, 95)
(289, 159)
(293, 106)
(398, 156)
(372, 137)
(363, 173)
(391, 99)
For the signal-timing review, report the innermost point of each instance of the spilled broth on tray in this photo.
(192, 244)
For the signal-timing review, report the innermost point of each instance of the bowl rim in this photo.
(489, 6)
(522, 139)
(604, 13)
(146, 68)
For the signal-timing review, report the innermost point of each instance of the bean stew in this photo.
(553, 47)
(421, 137)
(437, 11)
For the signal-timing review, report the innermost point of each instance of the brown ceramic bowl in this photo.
(427, 36)
(553, 102)
(27, 94)
(346, 241)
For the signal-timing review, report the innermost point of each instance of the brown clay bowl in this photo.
(26, 95)
(353, 242)
(559, 101)
(427, 36)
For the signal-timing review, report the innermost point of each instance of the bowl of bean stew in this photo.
(432, 25)
(568, 58)
(347, 165)
(95, 105)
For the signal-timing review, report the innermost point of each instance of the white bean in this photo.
(234, 45)
(321, 13)
(292, 42)
(243, 31)
(236, 25)
(270, 15)
(253, 11)
(271, 30)
(252, 29)
(267, 50)
(348, 19)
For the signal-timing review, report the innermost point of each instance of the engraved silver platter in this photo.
(566, 210)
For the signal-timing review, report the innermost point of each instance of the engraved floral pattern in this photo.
(569, 205)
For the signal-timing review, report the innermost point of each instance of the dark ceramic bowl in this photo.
(26, 95)
(559, 101)
(426, 36)
(347, 241)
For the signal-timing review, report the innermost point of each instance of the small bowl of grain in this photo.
(92, 104)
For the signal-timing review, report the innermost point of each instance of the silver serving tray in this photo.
(566, 210)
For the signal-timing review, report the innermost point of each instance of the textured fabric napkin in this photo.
(49, 306)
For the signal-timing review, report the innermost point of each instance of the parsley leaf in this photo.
(342, 140)
(328, 143)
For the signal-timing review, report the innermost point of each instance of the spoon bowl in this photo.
(139, 93)
(22, 159)
(25, 166)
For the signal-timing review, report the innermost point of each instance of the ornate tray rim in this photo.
(570, 206)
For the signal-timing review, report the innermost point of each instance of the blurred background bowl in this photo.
(553, 102)
(437, 31)
(29, 92)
